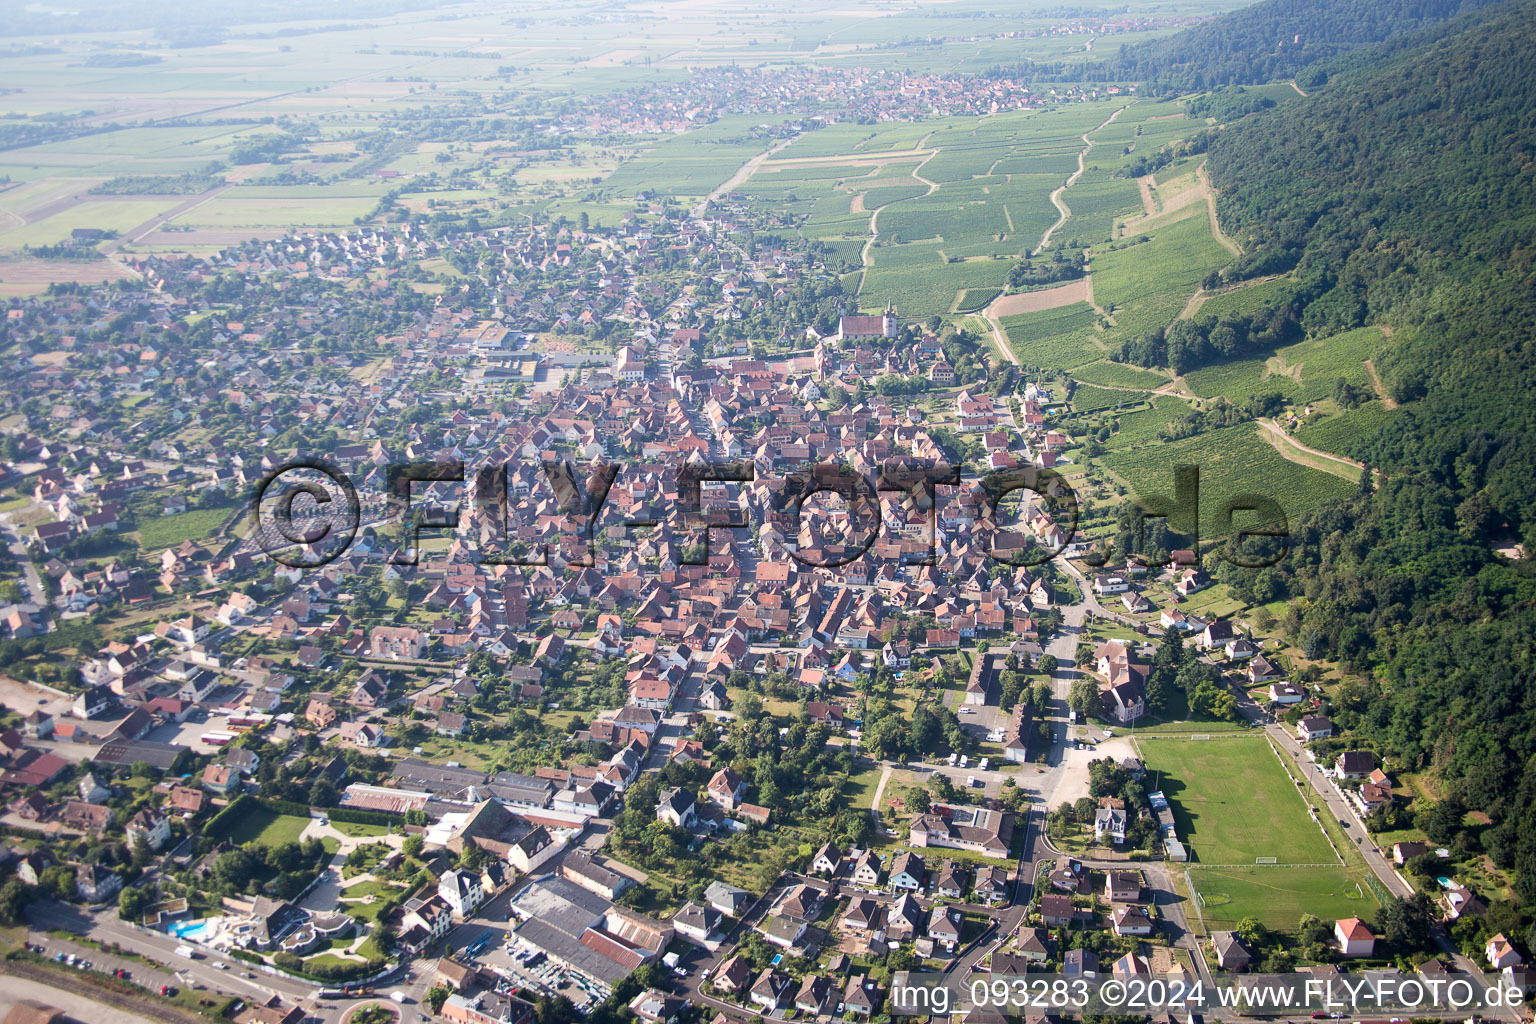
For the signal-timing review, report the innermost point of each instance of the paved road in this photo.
(36, 593)
(106, 928)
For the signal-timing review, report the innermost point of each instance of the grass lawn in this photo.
(1233, 801)
(363, 911)
(266, 828)
(1214, 601)
(372, 887)
(1186, 726)
(357, 829)
(197, 525)
(860, 789)
(1278, 896)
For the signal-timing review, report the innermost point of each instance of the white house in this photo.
(1109, 822)
(1132, 921)
(1502, 954)
(1354, 938)
(1110, 584)
(1285, 693)
(1314, 727)
(154, 828)
(461, 890)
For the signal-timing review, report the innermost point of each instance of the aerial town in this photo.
(615, 608)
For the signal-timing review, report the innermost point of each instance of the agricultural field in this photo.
(990, 202)
(248, 208)
(1097, 201)
(1145, 285)
(693, 164)
(1146, 126)
(31, 276)
(919, 282)
(1247, 299)
(1235, 462)
(1320, 362)
(197, 525)
(1233, 801)
(1278, 896)
(1143, 425)
(840, 139)
(1337, 433)
(1304, 372)
(1054, 339)
(1238, 378)
(1118, 375)
(1087, 398)
(973, 300)
(106, 214)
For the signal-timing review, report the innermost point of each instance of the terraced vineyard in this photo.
(1234, 462)
(1337, 433)
(1054, 339)
(1146, 285)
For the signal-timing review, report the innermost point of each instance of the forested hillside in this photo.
(1272, 40)
(1404, 193)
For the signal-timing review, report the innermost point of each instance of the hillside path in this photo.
(1061, 207)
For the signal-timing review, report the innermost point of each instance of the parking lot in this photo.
(523, 967)
(84, 958)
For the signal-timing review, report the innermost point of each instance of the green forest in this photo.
(1270, 41)
(1403, 193)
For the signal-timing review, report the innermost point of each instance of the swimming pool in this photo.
(195, 930)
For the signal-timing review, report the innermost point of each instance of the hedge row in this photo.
(218, 825)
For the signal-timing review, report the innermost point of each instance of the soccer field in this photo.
(1233, 801)
(1278, 896)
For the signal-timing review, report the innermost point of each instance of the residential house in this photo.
(1232, 953)
(1501, 953)
(678, 807)
(907, 872)
(461, 890)
(1354, 938)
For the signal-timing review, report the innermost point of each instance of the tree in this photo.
(132, 902)
(1040, 696)
(1406, 923)
(1442, 821)
(437, 995)
(233, 868)
(1252, 931)
(323, 793)
(15, 896)
(1314, 929)
(1048, 663)
(412, 846)
(1083, 698)
(60, 881)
